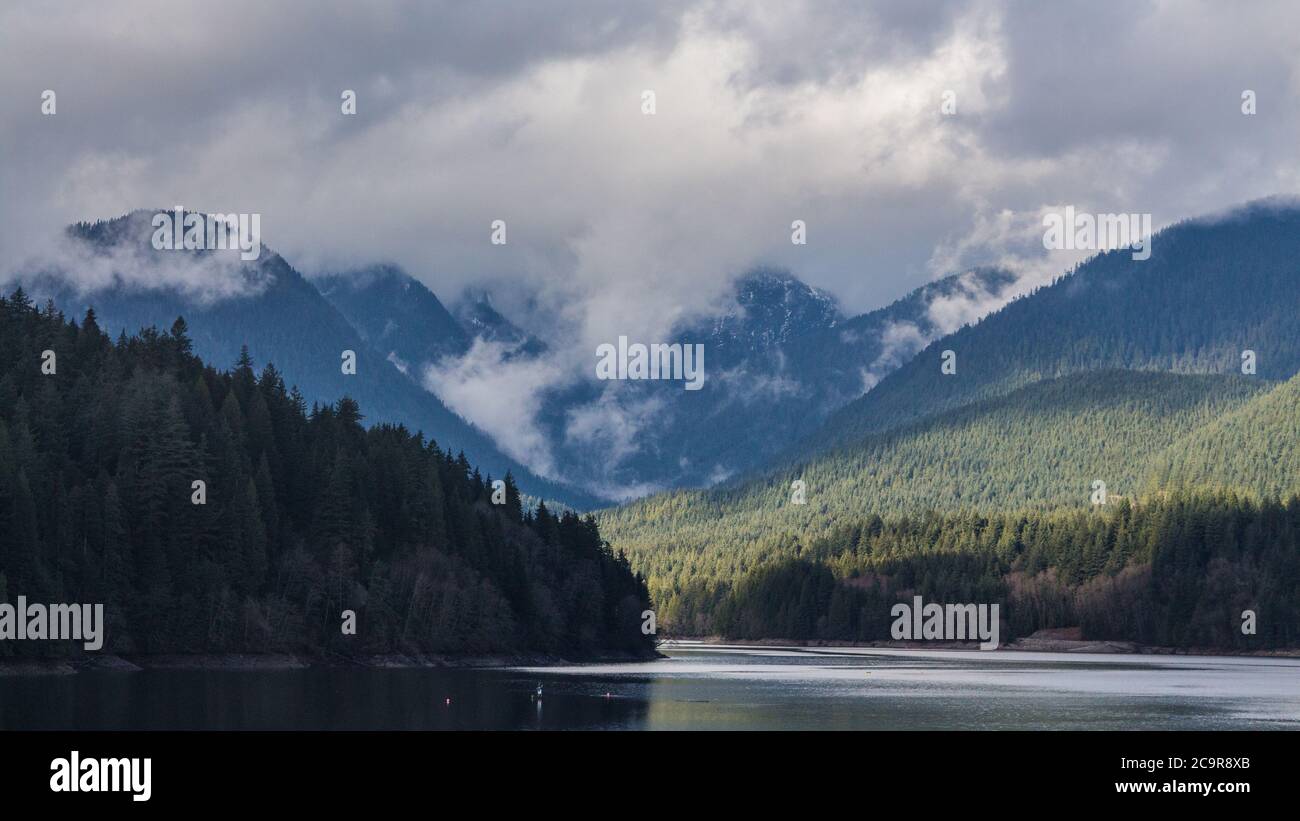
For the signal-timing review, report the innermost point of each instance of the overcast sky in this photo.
(829, 112)
(532, 113)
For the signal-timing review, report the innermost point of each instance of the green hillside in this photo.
(1037, 448)
(1210, 290)
(1254, 449)
(1177, 570)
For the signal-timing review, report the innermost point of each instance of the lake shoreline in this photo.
(130, 663)
(1044, 641)
(1035, 643)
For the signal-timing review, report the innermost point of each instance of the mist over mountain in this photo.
(480, 319)
(282, 318)
(1213, 289)
(780, 356)
(787, 374)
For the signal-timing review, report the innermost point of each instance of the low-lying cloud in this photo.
(68, 262)
(502, 395)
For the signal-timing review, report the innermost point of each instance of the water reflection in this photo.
(696, 688)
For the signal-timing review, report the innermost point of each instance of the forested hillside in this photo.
(1211, 290)
(1254, 449)
(307, 513)
(281, 317)
(1040, 447)
(982, 480)
(1176, 570)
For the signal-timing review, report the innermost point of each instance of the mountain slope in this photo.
(1041, 446)
(1210, 290)
(480, 319)
(300, 516)
(396, 314)
(777, 364)
(281, 318)
(1255, 449)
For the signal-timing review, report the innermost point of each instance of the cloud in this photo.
(501, 395)
(748, 385)
(612, 426)
(621, 223)
(899, 341)
(821, 111)
(970, 299)
(64, 260)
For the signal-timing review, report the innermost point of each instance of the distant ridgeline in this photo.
(303, 515)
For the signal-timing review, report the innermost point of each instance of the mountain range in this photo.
(281, 317)
(1144, 380)
(781, 359)
(1130, 373)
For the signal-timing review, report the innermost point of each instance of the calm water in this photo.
(712, 688)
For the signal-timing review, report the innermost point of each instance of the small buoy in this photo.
(448, 702)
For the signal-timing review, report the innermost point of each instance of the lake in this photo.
(698, 687)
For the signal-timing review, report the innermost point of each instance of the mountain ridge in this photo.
(287, 322)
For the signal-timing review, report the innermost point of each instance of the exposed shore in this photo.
(1043, 641)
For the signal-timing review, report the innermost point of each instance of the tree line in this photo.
(1174, 569)
(305, 513)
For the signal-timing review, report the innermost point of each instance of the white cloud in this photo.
(500, 395)
(613, 427)
(86, 268)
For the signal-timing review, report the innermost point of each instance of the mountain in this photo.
(777, 363)
(395, 314)
(1212, 289)
(270, 308)
(1040, 447)
(1124, 371)
(210, 511)
(623, 437)
(480, 320)
(772, 308)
